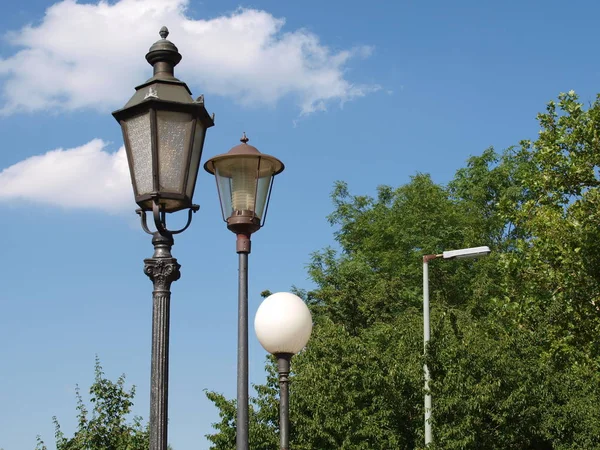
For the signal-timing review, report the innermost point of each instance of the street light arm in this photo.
(427, 258)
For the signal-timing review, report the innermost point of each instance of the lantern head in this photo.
(163, 131)
(244, 180)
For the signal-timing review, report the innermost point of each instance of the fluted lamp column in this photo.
(163, 131)
(244, 179)
(283, 325)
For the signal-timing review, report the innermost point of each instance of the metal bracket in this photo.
(160, 219)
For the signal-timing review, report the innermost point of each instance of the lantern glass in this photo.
(199, 135)
(174, 130)
(243, 183)
(137, 130)
(264, 184)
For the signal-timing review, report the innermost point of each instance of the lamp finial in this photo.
(163, 56)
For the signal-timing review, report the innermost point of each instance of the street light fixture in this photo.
(463, 253)
(466, 253)
(283, 325)
(163, 131)
(244, 179)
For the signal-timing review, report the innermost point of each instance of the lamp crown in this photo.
(163, 56)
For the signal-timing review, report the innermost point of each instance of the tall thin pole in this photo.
(464, 253)
(162, 269)
(283, 367)
(426, 336)
(243, 249)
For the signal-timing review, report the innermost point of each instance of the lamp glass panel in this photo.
(199, 135)
(139, 137)
(174, 134)
(237, 183)
(243, 186)
(224, 188)
(265, 174)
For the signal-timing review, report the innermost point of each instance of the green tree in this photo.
(514, 353)
(263, 417)
(107, 427)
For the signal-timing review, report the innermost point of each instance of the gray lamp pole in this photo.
(244, 179)
(163, 131)
(283, 325)
(463, 253)
(283, 368)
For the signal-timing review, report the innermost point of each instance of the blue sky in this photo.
(366, 92)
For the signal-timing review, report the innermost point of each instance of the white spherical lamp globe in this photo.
(283, 323)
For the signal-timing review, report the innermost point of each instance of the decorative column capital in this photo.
(162, 272)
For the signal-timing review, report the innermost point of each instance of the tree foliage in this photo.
(107, 427)
(514, 354)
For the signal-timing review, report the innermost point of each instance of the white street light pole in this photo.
(462, 253)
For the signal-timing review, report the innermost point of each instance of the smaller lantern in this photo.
(164, 130)
(244, 180)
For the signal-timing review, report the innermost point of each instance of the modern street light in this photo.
(244, 179)
(283, 325)
(163, 131)
(463, 253)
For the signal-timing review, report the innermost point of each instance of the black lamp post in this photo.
(163, 131)
(244, 180)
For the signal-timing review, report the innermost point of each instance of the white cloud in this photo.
(92, 55)
(81, 177)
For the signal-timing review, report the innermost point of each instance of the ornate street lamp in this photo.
(163, 131)
(244, 180)
(283, 325)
